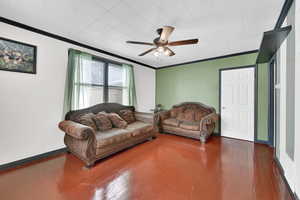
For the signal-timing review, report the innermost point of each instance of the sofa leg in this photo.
(203, 139)
(151, 138)
(90, 165)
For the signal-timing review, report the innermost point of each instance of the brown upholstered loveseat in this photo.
(190, 119)
(90, 145)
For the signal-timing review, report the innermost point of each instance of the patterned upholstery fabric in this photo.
(194, 126)
(164, 115)
(117, 121)
(189, 114)
(76, 130)
(175, 111)
(194, 120)
(181, 132)
(180, 116)
(138, 128)
(171, 122)
(199, 114)
(114, 135)
(89, 145)
(102, 121)
(87, 119)
(128, 116)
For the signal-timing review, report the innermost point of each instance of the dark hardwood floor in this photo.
(168, 168)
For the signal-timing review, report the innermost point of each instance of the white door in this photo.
(237, 103)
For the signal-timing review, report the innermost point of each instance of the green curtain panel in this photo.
(129, 94)
(75, 95)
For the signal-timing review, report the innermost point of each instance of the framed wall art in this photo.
(17, 56)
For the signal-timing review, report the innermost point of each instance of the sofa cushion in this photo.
(187, 115)
(171, 122)
(117, 121)
(102, 121)
(128, 116)
(180, 131)
(111, 136)
(194, 126)
(137, 128)
(86, 119)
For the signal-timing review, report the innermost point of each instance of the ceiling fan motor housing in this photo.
(159, 42)
(162, 44)
(159, 31)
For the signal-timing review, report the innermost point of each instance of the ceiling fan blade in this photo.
(148, 51)
(183, 42)
(143, 43)
(169, 52)
(165, 33)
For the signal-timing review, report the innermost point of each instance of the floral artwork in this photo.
(17, 56)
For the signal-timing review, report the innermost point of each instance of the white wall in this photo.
(286, 162)
(288, 59)
(31, 105)
(145, 86)
(297, 99)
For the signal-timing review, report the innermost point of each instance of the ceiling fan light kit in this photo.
(161, 49)
(156, 53)
(162, 43)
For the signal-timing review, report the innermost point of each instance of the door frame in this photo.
(255, 95)
(271, 102)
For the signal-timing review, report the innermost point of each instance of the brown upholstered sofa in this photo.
(190, 119)
(90, 145)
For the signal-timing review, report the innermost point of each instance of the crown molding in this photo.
(67, 40)
(208, 59)
(284, 12)
(64, 39)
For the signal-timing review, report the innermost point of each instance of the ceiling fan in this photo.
(161, 43)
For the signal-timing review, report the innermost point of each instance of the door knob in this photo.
(223, 107)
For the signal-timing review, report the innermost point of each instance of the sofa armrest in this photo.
(207, 125)
(210, 118)
(76, 130)
(159, 117)
(163, 115)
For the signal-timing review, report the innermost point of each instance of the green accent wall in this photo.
(262, 102)
(199, 82)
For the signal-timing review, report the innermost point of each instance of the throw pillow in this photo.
(181, 117)
(87, 119)
(102, 121)
(189, 115)
(175, 112)
(128, 116)
(117, 121)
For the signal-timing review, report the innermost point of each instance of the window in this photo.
(91, 85)
(115, 83)
(92, 80)
(101, 82)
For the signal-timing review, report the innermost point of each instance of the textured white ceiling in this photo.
(222, 26)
